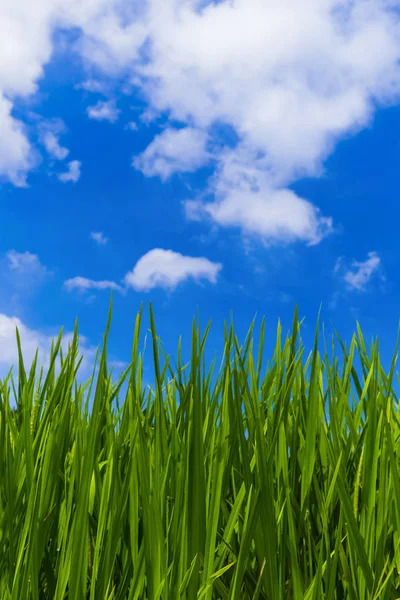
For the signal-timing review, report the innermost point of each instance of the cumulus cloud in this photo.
(360, 274)
(25, 48)
(158, 268)
(16, 155)
(174, 151)
(99, 237)
(83, 284)
(32, 340)
(167, 269)
(73, 174)
(104, 111)
(27, 43)
(245, 197)
(289, 78)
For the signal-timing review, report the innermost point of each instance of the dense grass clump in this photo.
(257, 482)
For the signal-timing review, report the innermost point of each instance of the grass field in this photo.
(273, 481)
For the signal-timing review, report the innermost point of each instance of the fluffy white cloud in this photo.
(275, 215)
(245, 197)
(167, 269)
(25, 48)
(16, 156)
(158, 268)
(289, 78)
(27, 42)
(104, 111)
(32, 340)
(84, 284)
(361, 273)
(99, 237)
(174, 151)
(73, 174)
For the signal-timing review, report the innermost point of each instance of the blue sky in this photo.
(231, 156)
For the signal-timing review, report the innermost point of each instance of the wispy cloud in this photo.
(24, 272)
(132, 126)
(104, 111)
(167, 269)
(73, 174)
(52, 144)
(91, 85)
(83, 284)
(21, 275)
(99, 237)
(50, 131)
(360, 274)
(25, 262)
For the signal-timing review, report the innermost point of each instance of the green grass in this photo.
(260, 481)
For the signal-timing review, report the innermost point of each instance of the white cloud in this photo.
(49, 135)
(32, 340)
(108, 38)
(158, 268)
(132, 126)
(174, 151)
(99, 237)
(289, 78)
(21, 274)
(16, 156)
(274, 215)
(103, 111)
(83, 284)
(73, 174)
(25, 262)
(53, 147)
(361, 273)
(245, 197)
(167, 269)
(92, 86)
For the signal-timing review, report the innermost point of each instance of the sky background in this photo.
(235, 156)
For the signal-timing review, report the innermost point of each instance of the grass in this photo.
(257, 482)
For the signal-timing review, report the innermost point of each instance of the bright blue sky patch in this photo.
(227, 156)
